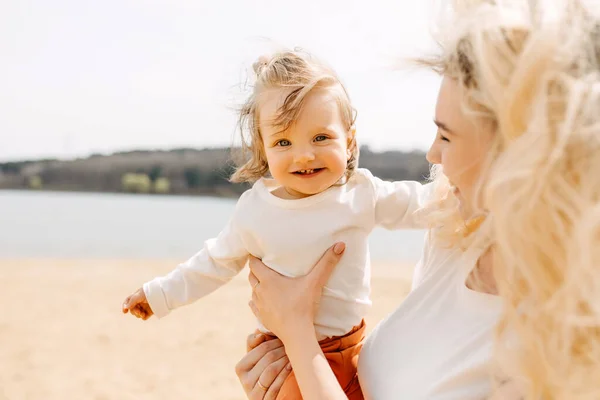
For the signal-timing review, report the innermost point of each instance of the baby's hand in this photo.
(137, 305)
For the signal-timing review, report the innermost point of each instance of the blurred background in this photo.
(117, 121)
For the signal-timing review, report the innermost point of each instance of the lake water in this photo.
(93, 225)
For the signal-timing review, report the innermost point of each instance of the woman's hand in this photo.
(288, 305)
(264, 368)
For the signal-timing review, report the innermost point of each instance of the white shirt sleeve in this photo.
(213, 266)
(396, 203)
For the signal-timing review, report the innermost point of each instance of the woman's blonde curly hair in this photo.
(533, 68)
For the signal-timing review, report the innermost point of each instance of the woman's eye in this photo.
(320, 138)
(283, 143)
(444, 138)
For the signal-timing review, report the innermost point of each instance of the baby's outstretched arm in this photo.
(220, 259)
(396, 203)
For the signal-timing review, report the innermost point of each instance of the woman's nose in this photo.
(434, 154)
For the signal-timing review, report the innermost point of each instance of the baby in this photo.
(298, 127)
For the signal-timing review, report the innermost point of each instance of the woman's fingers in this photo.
(268, 385)
(267, 379)
(252, 365)
(252, 279)
(260, 270)
(253, 307)
(254, 340)
(325, 266)
(277, 300)
(276, 385)
(270, 373)
(249, 361)
(264, 364)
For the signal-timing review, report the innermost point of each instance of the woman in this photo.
(505, 299)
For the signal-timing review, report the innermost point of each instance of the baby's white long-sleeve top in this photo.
(290, 236)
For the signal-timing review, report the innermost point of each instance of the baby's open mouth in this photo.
(308, 171)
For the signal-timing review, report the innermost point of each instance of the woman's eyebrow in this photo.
(442, 126)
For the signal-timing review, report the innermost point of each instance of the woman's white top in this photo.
(438, 344)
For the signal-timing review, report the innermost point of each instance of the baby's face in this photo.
(312, 154)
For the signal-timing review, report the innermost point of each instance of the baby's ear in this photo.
(351, 141)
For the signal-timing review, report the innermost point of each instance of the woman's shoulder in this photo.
(438, 259)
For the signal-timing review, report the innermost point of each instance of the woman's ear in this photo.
(351, 145)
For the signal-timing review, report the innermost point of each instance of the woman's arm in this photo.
(287, 307)
(313, 373)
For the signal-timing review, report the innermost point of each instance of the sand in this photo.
(63, 336)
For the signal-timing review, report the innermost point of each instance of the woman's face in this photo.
(461, 144)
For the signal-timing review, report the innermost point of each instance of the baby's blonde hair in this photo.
(298, 73)
(535, 72)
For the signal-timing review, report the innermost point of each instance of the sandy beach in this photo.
(63, 336)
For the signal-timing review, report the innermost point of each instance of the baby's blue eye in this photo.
(283, 143)
(320, 138)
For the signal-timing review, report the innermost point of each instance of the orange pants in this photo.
(342, 354)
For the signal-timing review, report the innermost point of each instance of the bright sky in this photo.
(83, 76)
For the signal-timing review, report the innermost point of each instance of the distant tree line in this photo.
(178, 171)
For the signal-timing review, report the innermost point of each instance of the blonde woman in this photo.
(506, 299)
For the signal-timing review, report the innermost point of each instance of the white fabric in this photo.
(290, 236)
(438, 344)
